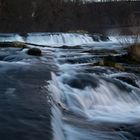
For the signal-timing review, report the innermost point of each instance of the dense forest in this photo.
(66, 15)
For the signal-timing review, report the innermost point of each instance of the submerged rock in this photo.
(81, 81)
(34, 51)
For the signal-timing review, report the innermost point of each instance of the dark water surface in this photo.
(24, 109)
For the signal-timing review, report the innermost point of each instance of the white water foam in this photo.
(68, 39)
(93, 106)
(60, 39)
(105, 103)
(57, 124)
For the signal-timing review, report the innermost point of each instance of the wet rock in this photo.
(117, 58)
(122, 62)
(129, 78)
(99, 37)
(23, 34)
(133, 129)
(19, 45)
(134, 52)
(13, 44)
(80, 60)
(104, 38)
(100, 70)
(101, 51)
(70, 47)
(109, 63)
(133, 69)
(34, 51)
(95, 38)
(119, 66)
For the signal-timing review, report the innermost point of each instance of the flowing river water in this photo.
(62, 95)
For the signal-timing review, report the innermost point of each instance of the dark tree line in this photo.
(66, 15)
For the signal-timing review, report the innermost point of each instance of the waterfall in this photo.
(86, 101)
(65, 39)
(59, 39)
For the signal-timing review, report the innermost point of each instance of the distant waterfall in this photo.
(65, 39)
(60, 39)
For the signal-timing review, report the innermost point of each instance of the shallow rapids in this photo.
(95, 102)
(62, 95)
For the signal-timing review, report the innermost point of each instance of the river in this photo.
(62, 95)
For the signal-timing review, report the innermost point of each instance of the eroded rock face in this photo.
(34, 51)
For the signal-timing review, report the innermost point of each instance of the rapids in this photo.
(82, 101)
(54, 39)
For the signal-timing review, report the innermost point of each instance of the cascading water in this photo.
(60, 39)
(86, 102)
(98, 102)
(93, 106)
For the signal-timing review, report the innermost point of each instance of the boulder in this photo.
(34, 51)
(104, 38)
